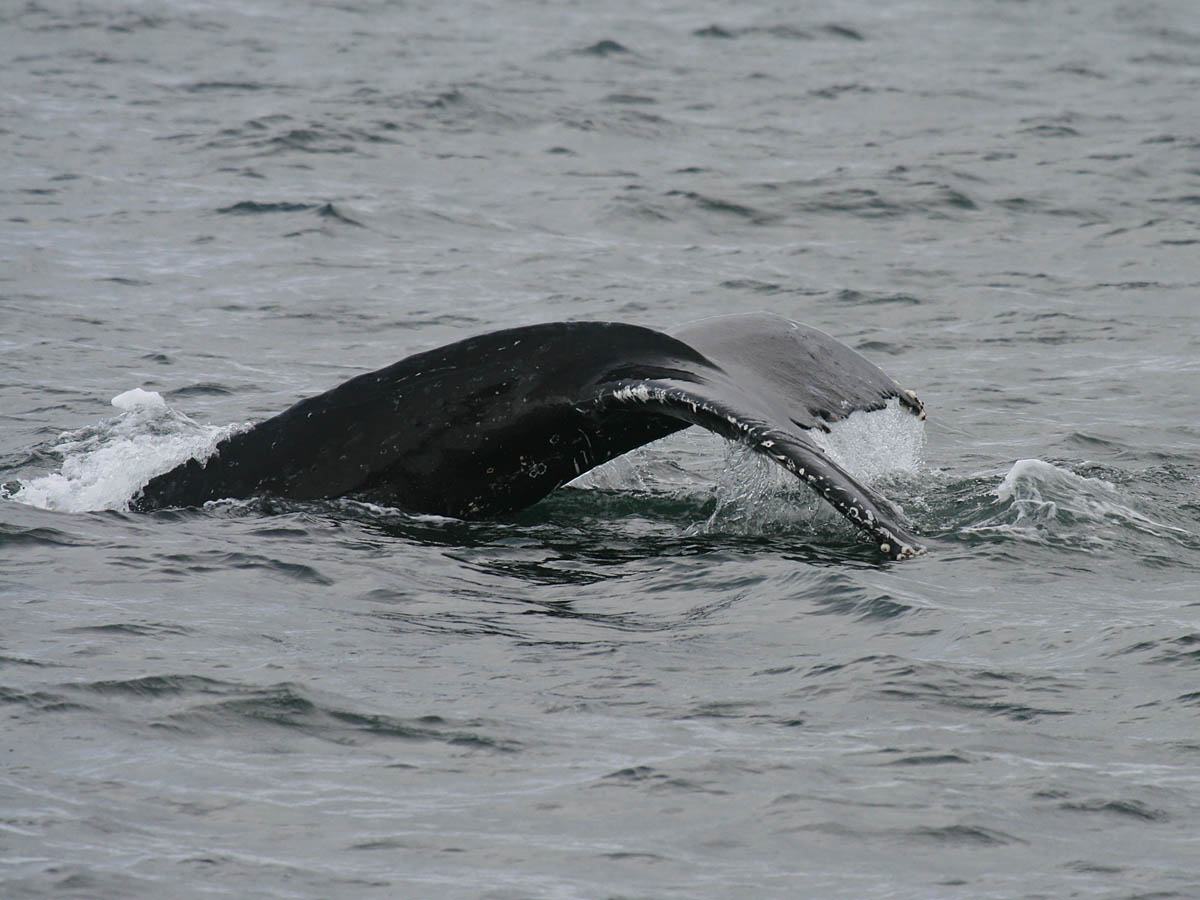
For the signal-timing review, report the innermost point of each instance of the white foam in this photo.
(138, 398)
(103, 465)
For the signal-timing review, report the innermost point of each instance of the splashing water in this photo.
(104, 464)
(751, 493)
(871, 446)
(1042, 502)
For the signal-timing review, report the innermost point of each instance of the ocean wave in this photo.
(1040, 502)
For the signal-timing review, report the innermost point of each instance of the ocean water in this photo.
(682, 677)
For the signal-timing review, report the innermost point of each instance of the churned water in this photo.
(683, 678)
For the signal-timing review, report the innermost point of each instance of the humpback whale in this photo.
(493, 423)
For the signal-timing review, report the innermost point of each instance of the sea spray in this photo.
(103, 465)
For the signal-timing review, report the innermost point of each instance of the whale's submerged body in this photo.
(493, 423)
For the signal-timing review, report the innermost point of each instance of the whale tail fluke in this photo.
(492, 424)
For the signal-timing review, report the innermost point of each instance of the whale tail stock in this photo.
(493, 423)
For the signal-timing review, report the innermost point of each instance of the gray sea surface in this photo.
(683, 678)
